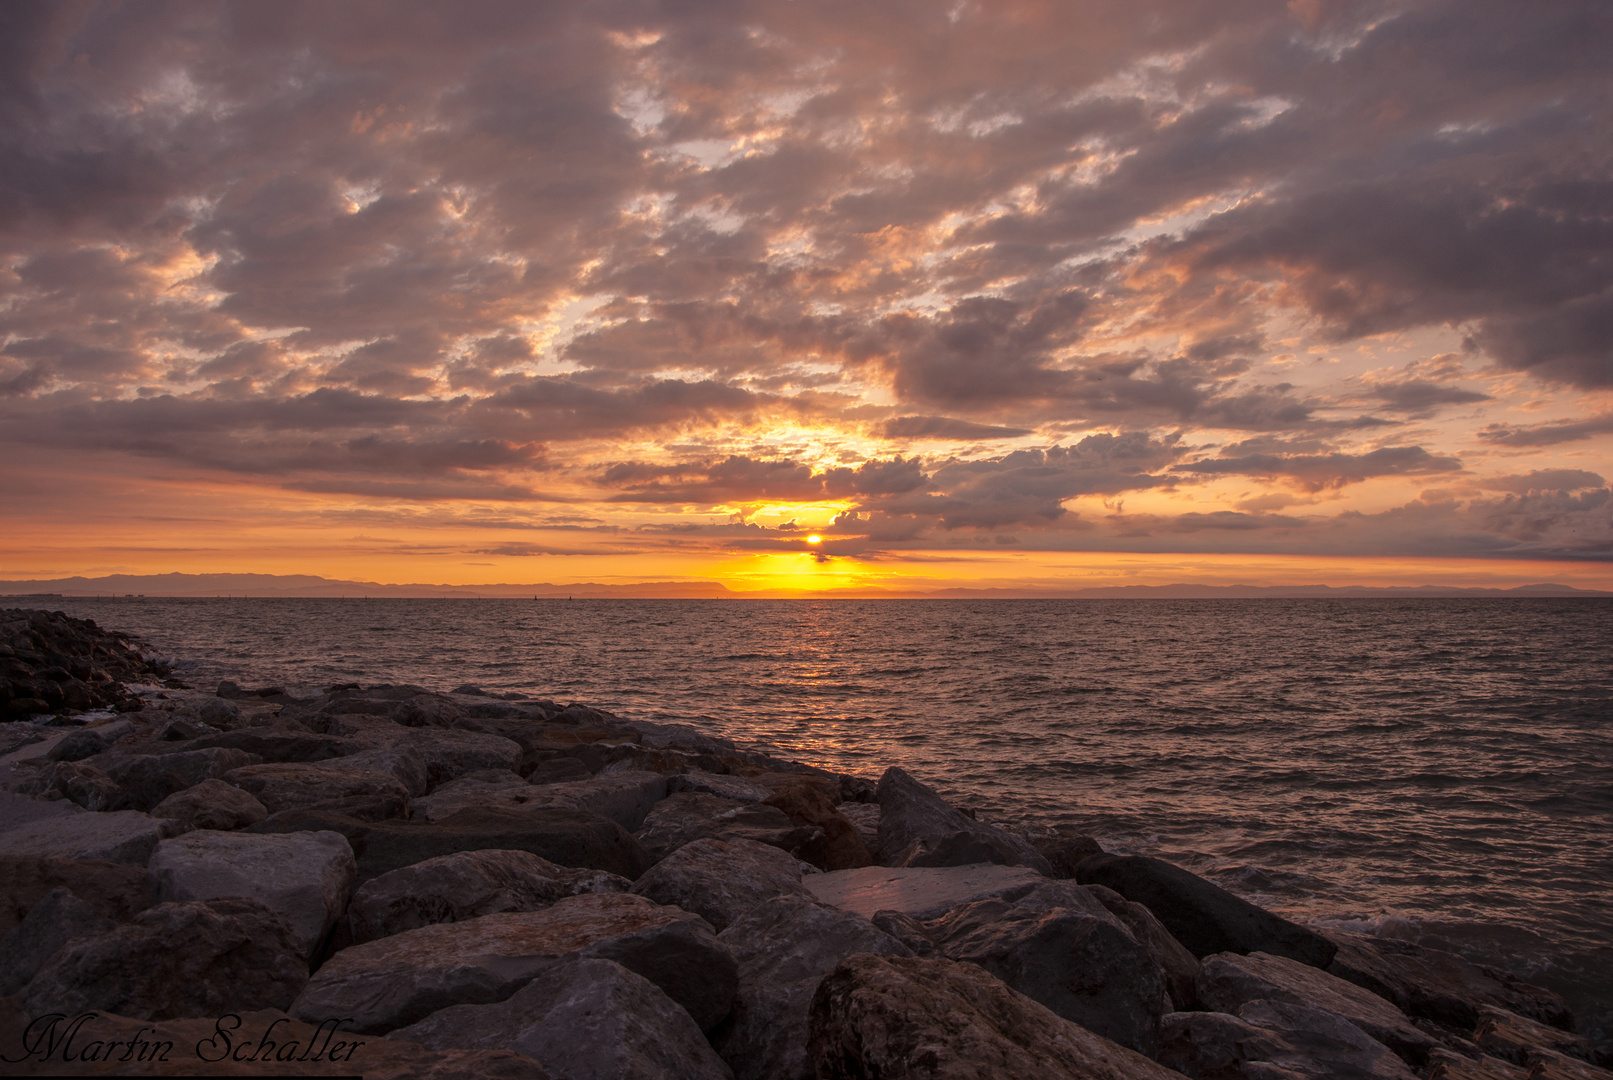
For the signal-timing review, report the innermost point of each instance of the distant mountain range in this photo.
(301, 585)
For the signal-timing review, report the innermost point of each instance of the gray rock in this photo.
(202, 958)
(688, 816)
(116, 890)
(721, 880)
(486, 789)
(79, 783)
(784, 948)
(402, 762)
(306, 878)
(126, 836)
(78, 746)
(558, 770)
(17, 810)
(1517, 1038)
(290, 786)
(1085, 966)
(919, 828)
(624, 797)
(909, 931)
(451, 754)
(1273, 1041)
(727, 787)
(567, 837)
(148, 779)
(467, 885)
(398, 980)
(1181, 967)
(58, 919)
(220, 713)
(909, 1017)
(864, 817)
(212, 804)
(584, 1019)
(1228, 981)
(923, 892)
(1204, 917)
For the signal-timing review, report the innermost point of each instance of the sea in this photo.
(1437, 770)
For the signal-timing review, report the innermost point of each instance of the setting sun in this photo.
(814, 539)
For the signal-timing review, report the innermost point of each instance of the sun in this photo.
(814, 539)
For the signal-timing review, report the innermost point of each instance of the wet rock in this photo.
(1085, 967)
(567, 837)
(584, 1019)
(840, 847)
(116, 890)
(685, 817)
(727, 787)
(1179, 966)
(306, 877)
(393, 981)
(1515, 1038)
(1228, 981)
(1272, 1041)
(1439, 985)
(784, 948)
(910, 1017)
(721, 880)
(201, 958)
(288, 786)
(150, 778)
(467, 885)
(212, 804)
(919, 828)
(923, 892)
(58, 919)
(1204, 917)
(79, 783)
(126, 836)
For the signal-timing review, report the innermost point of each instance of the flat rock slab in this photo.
(388, 983)
(941, 1020)
(305, 877)
(19, 810)
(923, 892)
(125, 836)
(584, 1019)
(451, 754)
(1269, 1040)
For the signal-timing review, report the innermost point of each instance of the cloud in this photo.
(1315, 472)
(1543, 480)
(1559, 431)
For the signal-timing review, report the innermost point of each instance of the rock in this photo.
(1205, 918)
(1272, 1041)
(922, 892)
(1228, 981)
(58, 918)
(625, 797)
(1445, 1065)
(201, 958)
(919, 828)
(467, 885)
(451, 754)
(557, 771)
(306, 878)
(910, 1017)
(784, 948)
(1515, 1038)
(488, 789)
(1086, 967)
(721, 880)
(81, 784)
(909, 931)
(279, 747)
(865, 818)
(401, 762)
(220, 713)
(1549, 1065)
(841, 848)
(285, 787)
(584, 1019)
(150, 778)
(1179, 966)
(567, 837)
(212, 804)
(685, 817)
(126, 836)
(726, 787)
(116, 890)
(1065, 851)
(1438, 985)
(78, 746)
(393, 981)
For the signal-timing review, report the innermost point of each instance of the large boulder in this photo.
(289, 786)
(451, 754)
(689, 816)
(57, 920)
(467, 885)
(1179, 966)
(400, 761)
(840, 848)
(919, 828)
(924, 892)
(721, 880)
(1204, 917)
(1057, 950)
(393, 981)
(148, 779)
(1274, 1041)
(1439, 985)
(874, 1016)
(567, 837)
(116, 890)
(200, 958)
(584, 1019)
(80, 783)
(784, 948)
(489, 788)
(624, 797)
(212, 804)
(125, 836)
(304, 877)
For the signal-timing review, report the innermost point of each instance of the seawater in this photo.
(1437, 770)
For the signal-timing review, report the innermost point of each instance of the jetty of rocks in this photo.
(395, 883)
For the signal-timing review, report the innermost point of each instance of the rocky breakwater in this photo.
(52, 665)
(393, 883)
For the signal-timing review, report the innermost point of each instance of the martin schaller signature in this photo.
(55, 1036)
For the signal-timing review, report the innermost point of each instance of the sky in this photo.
(809, 295)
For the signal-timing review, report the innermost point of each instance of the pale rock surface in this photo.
(919, 828)
(1274, 1041)
(784, 948)
(467, 885)
(941, 1020)
(291, 785)
(583, 1019)
(923, 892)
(398, 980)
(125, 836)
(212, 804)
(721, 880)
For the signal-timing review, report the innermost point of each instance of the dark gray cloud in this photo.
(1316, 472)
